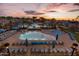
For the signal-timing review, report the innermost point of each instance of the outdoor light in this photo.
(74, 47)
(8, 51)
(6, 47)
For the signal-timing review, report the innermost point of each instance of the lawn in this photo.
(76, 34)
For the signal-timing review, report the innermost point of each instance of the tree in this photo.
(3, 17)
(53, 44)
(26, 42)
(57, 37)
(77, 18)
(0, 25)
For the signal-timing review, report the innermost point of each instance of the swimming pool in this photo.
(56, 32)
(36, 43)
(35, 35)
(2, 30)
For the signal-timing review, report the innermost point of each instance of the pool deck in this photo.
(65, 38)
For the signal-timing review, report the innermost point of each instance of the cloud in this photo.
(25, 9)
(33, 13)
(76, 4)
(61, 7)
(73, 10)
(52, 11)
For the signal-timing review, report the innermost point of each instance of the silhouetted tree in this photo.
(53, 44)
(26, 42)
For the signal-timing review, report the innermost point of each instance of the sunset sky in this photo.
(39, 9)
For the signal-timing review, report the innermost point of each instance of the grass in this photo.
(76, 34)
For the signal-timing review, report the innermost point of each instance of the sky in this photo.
(39, 9)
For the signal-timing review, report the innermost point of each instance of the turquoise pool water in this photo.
(2, 30)
(56, 32)
(33, 36)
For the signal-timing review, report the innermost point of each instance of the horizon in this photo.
(56, 18)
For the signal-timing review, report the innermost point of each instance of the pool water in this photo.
(71, 36)
(56, 32)
(35, 43)
(33, 36)
(2, 30)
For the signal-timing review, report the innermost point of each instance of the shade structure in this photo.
(36, 35)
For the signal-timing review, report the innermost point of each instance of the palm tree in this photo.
(23, 21)
(11, 20)
(57, 37)
(26, 42)
(3, 17)
(3, 25)
(0, 25)
(53, 19)
(53, 44)
(77, 17)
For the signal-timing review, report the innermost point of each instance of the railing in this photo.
(40, 51)
(71, 36)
